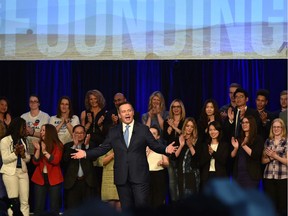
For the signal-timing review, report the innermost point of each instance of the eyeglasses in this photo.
(176, 107)
(33, 101)
(245, 122)
(277, 127)
(79, 133)
(239, 96)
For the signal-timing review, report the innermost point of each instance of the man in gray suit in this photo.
(131, 171)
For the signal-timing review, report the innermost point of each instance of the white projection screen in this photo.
(138, 29)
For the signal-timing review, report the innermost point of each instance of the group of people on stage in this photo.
(132, 161)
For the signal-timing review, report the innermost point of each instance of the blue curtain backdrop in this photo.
(193, 81)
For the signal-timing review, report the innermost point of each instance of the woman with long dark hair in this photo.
(209, 113)
(214, 154)
(5, 117)
(47, 175)
(247, 153)
(65, 119)
(14, 169)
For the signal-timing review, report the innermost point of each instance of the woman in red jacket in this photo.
(47, 175)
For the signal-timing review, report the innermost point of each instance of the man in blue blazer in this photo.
(131, 170)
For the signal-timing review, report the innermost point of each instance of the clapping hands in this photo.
(234, 143)
(20, 150)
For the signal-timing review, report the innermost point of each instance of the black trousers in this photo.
(276, 189)
(133, 195)
(78, 194)
(158, 187)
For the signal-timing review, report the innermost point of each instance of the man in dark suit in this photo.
(235, 116)
(80, 178)
(224, 109)
(265, 116)
(131, 171)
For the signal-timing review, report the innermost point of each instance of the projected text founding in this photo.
(144, 29)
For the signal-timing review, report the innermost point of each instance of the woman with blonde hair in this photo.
(172, 130)
(275, 159)
(174, 123)
(157, 113)
(187, 159)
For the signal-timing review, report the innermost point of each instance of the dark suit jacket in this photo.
(71, 167)
(220, 156)
(253, 162)
(129, 163)
(265, 129)
(230, 128)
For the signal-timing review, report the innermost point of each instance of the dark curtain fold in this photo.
(193, 81)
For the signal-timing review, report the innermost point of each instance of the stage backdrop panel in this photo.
(143, 29)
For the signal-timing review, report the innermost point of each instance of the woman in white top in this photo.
(14, 169)
(158, 174)
(65, 120)
(35, 118)
(214, 155)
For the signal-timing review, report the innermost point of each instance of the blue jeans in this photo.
(41, 192)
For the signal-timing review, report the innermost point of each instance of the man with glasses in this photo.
(232, 124)
(80, 178)
(236, 115)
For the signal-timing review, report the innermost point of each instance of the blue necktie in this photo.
(126, 135)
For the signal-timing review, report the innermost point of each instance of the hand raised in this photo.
(75, 140)
(36, 145)
(181, 140)
(234, 142)
(43, 146)
(89, 116)
(223, 115)
(87, 139)
(230, 114)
